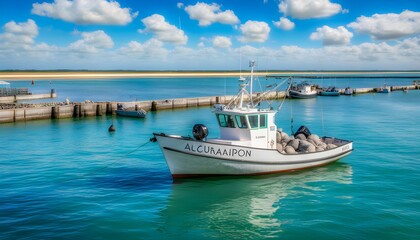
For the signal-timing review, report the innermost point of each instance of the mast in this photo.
(251, 65)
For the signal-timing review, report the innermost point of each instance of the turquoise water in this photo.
(71, 178)
(138, 89)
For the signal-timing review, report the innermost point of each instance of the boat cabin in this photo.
(246, 127)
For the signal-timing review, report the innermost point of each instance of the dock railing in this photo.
(5, 92)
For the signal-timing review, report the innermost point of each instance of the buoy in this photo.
(111, 128)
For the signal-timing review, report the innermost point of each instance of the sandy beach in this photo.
(51, 75)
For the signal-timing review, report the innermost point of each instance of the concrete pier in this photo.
(80, 110)
(16, 98)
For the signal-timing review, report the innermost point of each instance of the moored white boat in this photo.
(348, 91)
(249, 144)
(138, 113)
(302, 90)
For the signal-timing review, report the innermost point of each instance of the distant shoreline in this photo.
(51, 75)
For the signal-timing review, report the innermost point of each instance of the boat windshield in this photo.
(255, 121)
(241, 121)
(258, 121)
(225, 120)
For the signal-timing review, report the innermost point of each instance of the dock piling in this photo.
(154, 106)
(98, 110)
(54, 112)
(108, 108)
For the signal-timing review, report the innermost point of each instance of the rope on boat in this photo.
(140, 146)
(284, 98)
(291, 117)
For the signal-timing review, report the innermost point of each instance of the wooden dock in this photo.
(14, 113)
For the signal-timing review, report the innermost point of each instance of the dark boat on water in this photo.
(302, 90)
(330, 91)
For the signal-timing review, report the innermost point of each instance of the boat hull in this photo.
(384, 91)
(329, 94)
(127, 113)
(295, 94)
(187, 157)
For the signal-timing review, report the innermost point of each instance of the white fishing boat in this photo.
(138, 113)
(302, 90)
(249, 143)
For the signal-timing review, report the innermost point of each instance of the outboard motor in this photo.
(200, 131)
(304, 130)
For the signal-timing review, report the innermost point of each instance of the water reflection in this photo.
(238, 208)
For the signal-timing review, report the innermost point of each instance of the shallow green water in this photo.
(72, 179)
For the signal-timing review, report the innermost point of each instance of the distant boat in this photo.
(302, 90)
(384, 89)
(330, 91)
(4, 84)
(121, 111)
(348, 91)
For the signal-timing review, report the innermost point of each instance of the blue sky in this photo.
(210, 35)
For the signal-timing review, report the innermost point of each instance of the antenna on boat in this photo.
(251, 65)
(241, 78)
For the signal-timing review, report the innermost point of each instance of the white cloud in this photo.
(222, 42)
(180, 5)
(254, 31)
(403, 55)
(164, 31)
(94, 50)
(152, 48)
(292, 49)
(208, 14)
(410, 47)
(284, 24)
(388, 26)
(18, 46)
(86, 11)
(332, 36)
(19, 34)
(305, 9)
(92, 42)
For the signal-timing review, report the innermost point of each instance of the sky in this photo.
(210, 35)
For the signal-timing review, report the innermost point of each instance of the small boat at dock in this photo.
(249, 143)
(384, 89)
(348, 91)
(302, 90)
(330, 91)
(137, 113)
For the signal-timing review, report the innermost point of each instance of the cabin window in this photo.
(263, 121)
(241, 121)
(222, 120)
(253, 121)
(225, 120)
(258, 121)
(231, 122)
